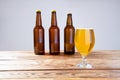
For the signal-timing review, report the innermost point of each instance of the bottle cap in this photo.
(69, 13)
(53, 10)
(38, 11)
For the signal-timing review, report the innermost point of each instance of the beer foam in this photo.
(84, 28)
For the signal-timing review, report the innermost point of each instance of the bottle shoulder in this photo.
(38, 27)
(54, 27)
(69, 27)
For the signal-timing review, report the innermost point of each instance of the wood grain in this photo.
(67, 79)
(28, 61)
(61, 73)
(25, 65)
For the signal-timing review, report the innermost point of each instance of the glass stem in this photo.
(84, 60)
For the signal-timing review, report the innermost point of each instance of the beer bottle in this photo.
(69, 32)
(54, 36)
(38, 35)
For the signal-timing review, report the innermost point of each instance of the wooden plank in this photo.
(32, 79)
(26, 60)
(60, 73)
(25, 65)
(23, 55)
(57, 64)
(67, 79)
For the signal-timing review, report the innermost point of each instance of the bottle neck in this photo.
(54, 19)
(69, 20)
(38, 19)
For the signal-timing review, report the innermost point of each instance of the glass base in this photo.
(81, 65)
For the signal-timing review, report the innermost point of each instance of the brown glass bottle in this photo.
(69, 32)
(38, 35)
(54, 36)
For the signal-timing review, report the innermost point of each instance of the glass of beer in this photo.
(84, 42)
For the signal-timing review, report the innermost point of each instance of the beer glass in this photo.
(84, 42)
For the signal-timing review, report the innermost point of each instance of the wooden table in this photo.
(25, 65)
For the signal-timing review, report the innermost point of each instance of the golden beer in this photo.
(84, 40)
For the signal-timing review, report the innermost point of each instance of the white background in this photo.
(17, 20)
